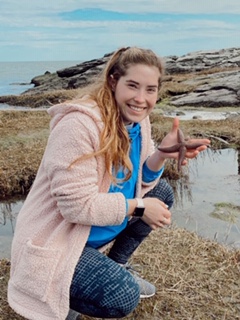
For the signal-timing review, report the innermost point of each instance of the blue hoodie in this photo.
(99, 236)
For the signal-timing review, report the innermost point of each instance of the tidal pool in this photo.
(213, 179)
(210, 179)
(8, 214)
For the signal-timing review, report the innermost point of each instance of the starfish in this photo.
(181, 147)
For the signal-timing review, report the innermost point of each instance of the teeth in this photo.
(135, 108)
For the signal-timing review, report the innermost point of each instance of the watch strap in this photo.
(140, 203)
(139, 210)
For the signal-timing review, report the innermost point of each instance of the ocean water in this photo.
(15, 77)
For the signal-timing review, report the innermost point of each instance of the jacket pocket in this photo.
(35, 270)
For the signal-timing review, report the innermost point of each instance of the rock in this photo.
(82, 80)
(197, 117)
(84, 67)
(203, 60)
(46, 83)
(69, 78)
(233, 116)
(211, 98)
(213, 90)
(180, 113)
(219, 88)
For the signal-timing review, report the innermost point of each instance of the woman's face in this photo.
(136, 93)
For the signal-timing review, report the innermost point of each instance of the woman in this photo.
(98, 181)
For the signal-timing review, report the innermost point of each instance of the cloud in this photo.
(66, 30)
(134, 6)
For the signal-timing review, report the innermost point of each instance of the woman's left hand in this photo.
(174, 144)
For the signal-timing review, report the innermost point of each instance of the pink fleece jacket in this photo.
(55, 220)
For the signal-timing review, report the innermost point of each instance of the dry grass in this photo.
(44, 99)
(23, 137)
(195, 279)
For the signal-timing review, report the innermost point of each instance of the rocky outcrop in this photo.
(203, 60)
(69, 78)
(215, 90)
(220, 87)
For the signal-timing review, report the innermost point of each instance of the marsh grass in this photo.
(226, 212)
(45, 99)
(23, 137)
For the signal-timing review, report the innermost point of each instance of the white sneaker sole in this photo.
(145, 296)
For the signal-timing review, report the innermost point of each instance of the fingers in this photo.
(175, 125)
(190, 154)
(156, 213)
(165, 219)
(164, 205)
(200, 141)
(202, 148)
(162, 224)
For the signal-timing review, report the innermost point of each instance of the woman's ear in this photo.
(112, 82)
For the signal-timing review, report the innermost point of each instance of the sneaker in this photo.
(147, 289)
(73, 315)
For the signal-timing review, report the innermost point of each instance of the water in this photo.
(213, 178)
(15, 77)
(8, 214)
(199, 113)
(203, 115)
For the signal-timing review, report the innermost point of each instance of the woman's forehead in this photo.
(141, 71)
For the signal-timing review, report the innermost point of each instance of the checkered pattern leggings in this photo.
(101, 287)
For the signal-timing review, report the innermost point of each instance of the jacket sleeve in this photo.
(81, 190)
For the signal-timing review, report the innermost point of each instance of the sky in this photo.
(80, 30)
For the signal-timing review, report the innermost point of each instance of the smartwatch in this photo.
(139, 210)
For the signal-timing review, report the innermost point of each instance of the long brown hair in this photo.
(114, 139)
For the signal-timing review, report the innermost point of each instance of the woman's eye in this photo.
(151, 90)
(132, 85)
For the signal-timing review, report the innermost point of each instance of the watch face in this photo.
(139, 212)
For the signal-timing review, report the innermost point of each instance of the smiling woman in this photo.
(98, 181)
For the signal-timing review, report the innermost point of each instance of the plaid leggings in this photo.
(100, 286)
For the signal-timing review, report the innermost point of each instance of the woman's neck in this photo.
(129, 125)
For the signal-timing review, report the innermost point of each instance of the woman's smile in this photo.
(134, 108)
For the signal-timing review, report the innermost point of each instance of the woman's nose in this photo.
(140, 96)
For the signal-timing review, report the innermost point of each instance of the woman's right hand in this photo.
(156, 213)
